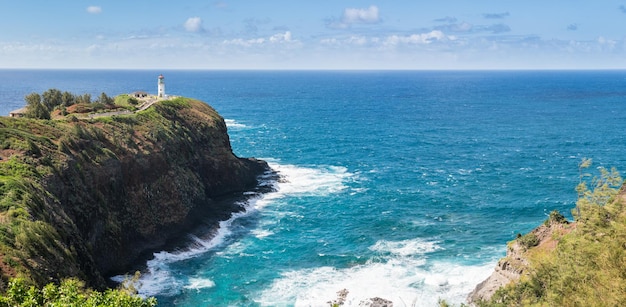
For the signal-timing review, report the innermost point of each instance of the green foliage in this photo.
(588, 266)
(555, 217)
(50, 186)
(17, 168)
(71, 292)
(35, 108)
(126, 101)
(528, 240)
(40, 106)
(67, 99)
(105, 99)
(52, 98)
(83, 99)
(178, 103)
(603, 189)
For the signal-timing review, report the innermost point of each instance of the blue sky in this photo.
(281, 34)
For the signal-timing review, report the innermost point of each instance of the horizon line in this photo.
(316, 69)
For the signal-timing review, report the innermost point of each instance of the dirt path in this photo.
(146, 103)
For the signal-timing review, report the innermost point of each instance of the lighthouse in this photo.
(161, 92)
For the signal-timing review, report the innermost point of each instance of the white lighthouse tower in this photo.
(161, 92)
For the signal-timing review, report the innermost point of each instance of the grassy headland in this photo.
(85, 197)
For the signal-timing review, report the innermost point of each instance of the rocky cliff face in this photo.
(517, 260)
(107, 190)
(508, 269)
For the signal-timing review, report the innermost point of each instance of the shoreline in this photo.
(203, 227)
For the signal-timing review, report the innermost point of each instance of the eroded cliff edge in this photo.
(516, 263)
(87, 197)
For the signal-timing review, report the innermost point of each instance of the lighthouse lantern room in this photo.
(161, 92)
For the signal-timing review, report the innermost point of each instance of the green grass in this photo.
(37, 231)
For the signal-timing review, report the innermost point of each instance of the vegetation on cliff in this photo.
(586, 265)
(41, 106)
(71, 292)
(85, 198)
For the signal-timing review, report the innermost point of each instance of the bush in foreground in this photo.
(588, 266)
(71, 292)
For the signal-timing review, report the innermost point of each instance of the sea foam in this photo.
(231, 123)
(402, 276)
(158, 279)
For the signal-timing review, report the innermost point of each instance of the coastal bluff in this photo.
(88, 198)
(567, 263)
(517, 262)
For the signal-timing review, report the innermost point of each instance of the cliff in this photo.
(87, 198)
(516, 263)
(567, 264)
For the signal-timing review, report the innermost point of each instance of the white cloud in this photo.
(193, 24)
(358, 40)
(606, 43)
(244, 42)
(355, 16)
(351, 41)
(423, 38)
(274, 39)
(390, 40)
(281, 37)
(369, 15)
(94, 10)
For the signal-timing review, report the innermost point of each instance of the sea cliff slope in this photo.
(563, 263)
(87, 197)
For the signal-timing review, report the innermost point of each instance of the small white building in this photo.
(18, 113)
(161, 89)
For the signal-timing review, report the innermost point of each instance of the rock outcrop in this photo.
(103, 192)
(508, 269)
(516, 262)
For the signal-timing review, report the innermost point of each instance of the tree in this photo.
(104, 99)
(85, 98)
(603, 188)
(582, 185)
(68, 99)
(35, 108)
(52, 98)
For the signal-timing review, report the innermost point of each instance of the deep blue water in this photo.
(403, 185)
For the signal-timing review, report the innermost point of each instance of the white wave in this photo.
(405, 281)
(406, 247)
(261, 233)
(158, 279)
(236, 249)
(402, 276)
(231, 123)
(304, 181)
(199, 283)
(154, 282)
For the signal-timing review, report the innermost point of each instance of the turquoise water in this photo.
(403, 185)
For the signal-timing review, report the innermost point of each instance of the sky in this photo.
(322, 34)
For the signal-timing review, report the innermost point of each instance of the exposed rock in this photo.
(515, 263)
(341, 298)
(376, 302)
(504, 273)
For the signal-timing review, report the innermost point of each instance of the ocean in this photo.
(404, 185)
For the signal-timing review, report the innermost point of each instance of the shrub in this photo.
(555, 217)
(71, 292)
(587, 266)
(528, 240)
